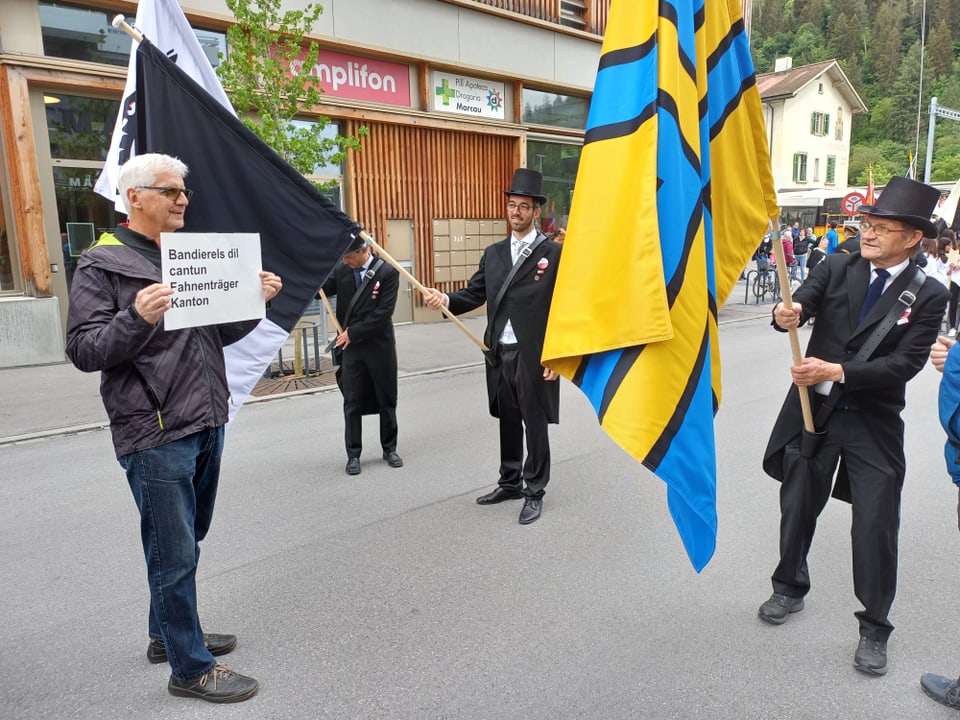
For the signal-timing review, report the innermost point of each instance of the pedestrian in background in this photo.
(801, 248)
(851, 238)
(165, 392)
(833, 240)
(788, 257)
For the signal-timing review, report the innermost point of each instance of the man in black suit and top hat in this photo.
(850, 295)
(523, 395)
(366, 289)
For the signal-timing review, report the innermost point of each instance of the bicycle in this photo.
(766, 282)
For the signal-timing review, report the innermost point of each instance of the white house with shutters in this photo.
(808, 112)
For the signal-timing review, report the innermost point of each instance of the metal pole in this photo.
(930, 130)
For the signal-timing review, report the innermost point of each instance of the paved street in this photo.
(392, 595)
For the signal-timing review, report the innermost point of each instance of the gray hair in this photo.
(142, 170)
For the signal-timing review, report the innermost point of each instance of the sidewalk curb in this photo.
(90, 427)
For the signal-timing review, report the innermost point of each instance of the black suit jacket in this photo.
(834, 292)
(526, 304)
(370, 324)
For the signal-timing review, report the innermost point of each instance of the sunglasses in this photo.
(170, 193)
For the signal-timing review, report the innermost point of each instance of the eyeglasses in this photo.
(170, 193)
(880, 230)
(523, 207)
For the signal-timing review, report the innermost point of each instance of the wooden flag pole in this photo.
(422, 288)
(118, 22)
(794, 337)
(333, 316)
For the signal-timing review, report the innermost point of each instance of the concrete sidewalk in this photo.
(43, 400)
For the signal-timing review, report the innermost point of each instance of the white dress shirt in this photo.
(508, 336)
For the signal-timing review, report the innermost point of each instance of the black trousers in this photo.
(521, 416)
(357, 386)
(875, 471)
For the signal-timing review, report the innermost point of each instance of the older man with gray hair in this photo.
(165, 392)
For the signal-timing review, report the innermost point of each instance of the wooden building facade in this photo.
(455, 94)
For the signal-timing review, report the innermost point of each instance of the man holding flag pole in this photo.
(877, 314)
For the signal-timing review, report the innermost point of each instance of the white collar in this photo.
(526, 239)
(894, 271)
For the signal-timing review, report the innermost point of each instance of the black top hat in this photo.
(356, 243)
(527, 183)
(909, 201)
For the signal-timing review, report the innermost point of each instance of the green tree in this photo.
(944, 11)
(846, 44)
(938, 58)
(772, 48)
(264, 44)
(768, 17)
(946, 168)
(886, 159)
(886, 40)
(807, 46)
(812, 13)
(902, 122)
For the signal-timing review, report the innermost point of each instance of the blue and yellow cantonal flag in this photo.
(673, 194)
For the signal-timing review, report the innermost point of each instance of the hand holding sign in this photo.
(152, 302)
(271, 285)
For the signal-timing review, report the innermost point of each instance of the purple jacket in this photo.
(157, 386)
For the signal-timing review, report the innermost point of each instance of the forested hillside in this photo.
(877, 43)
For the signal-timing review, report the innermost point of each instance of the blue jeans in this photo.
(175, 487)
(802, 266)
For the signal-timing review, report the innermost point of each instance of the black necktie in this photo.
(874, 293)
(358, 276)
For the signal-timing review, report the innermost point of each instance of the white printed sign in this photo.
(467, 96)
(214, 276)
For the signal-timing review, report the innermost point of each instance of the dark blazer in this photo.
(370, 323)
(526, 304)
(834, 292)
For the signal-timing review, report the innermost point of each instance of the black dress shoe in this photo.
(498, 496)
(531, 510)
(944, 690)
(871, 656)
(393, 460)
(353, 466)
(778, 607)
